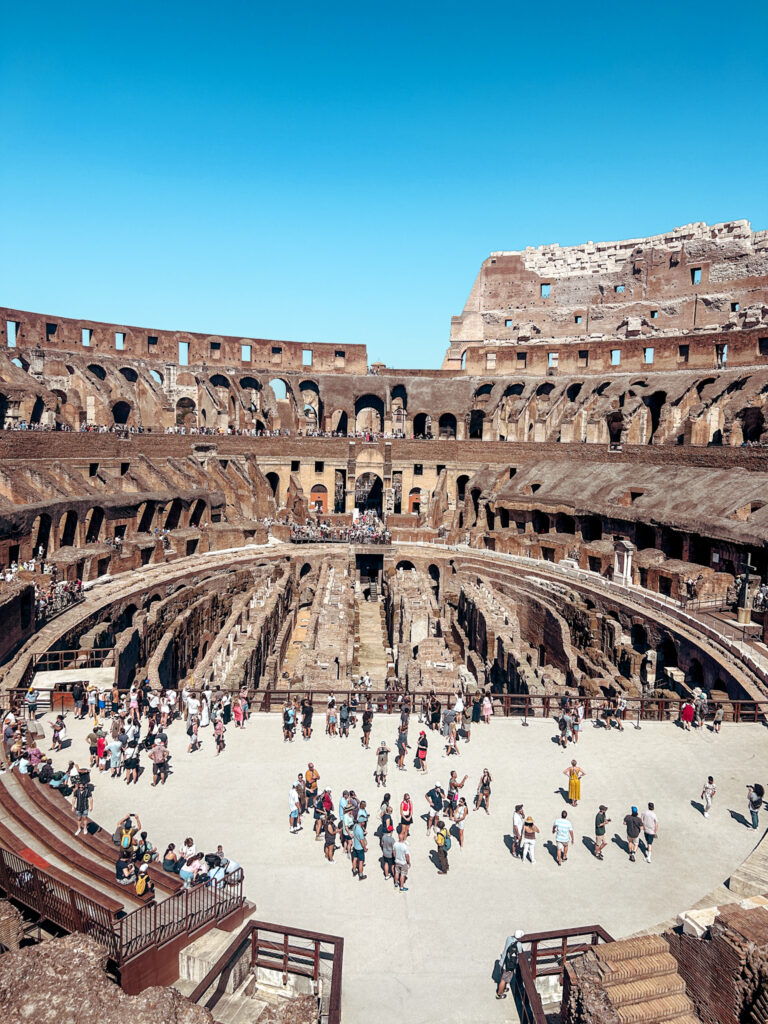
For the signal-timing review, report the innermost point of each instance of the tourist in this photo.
(435, 711)
(483, 796)
(144, 852)
(563, 833)
(634, 826)
(82, 805)
(575, 775)
(125, 832)
(435, 798)
(600, 823)
(188, 849)
(78, 692)
(708, 794)
(487, 708)
(344, 719)
(359, 846)
(218, 734)
(387, 842)
(530, 831)
(518, 820)
(421, 751)
(508, 962)
(92, 739)
(171, 860)
(59, 734)
(401, 744)
(330, 718)
(145, 887)
(330, 837)
(454, 787)
(31, 698)
(650, 829)
(382, 758)
(125, 869)
(686, 715)
(158, 755)
(460, 817)
(365, 739)
(402, 860)
(755, 794)
(347, 829)
(306, 718)
(193, 729)
(443, 842)
(619, 712)
(406, 815)
(131, 760)
(717, 721)
(311, 778)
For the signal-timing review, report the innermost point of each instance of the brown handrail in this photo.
(529, 964)
(286, 954)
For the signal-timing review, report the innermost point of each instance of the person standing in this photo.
(387, 841)
(600, 823)
(755, 794)
(382, 758)
(435, 798)
(518, 820)
(460, 817)
(158, 755)
(563, 833)
(330, 837)
(650, 829)
(294, 825)
(634, 826)
(406, 815)
(306, 718)
(365, 739)
(421, 751)
(443, 841)
(717, 721)
(82, 805)
(530, 831)
(359, 846)
(402, 743)
(575, 775)
(402, 861)
(508, 962)
(708, 794)
(483, 796)
(311, 778)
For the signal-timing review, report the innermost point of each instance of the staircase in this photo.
(372, 649)
(640, 978)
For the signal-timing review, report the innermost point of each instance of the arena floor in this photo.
(428, 954)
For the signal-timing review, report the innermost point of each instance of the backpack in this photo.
(125, 838)
(141, 884)
(446, 842)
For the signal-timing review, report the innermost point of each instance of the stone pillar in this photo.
(622, 562)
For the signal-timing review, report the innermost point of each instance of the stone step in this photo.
(643, 990)
(652, 1011)
(633, 969)
(625, 949)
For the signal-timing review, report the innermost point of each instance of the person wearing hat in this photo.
(144, 884)
(158, 755)
(600, 822)
(634, 826)
(508, 962)
(530, 831)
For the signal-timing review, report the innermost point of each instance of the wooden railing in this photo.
(55, 661)
(548, 954)
(523, 705)
(289, 951)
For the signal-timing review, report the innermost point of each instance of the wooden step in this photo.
(643, 990)
(653, 1011)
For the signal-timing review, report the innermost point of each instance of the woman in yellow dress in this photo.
(575, 775)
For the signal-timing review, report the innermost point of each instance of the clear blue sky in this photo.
(337, 172)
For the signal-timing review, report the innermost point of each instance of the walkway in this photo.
(372, 653)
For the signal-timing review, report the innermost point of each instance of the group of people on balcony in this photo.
(367, 529)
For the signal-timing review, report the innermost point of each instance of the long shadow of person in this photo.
(551, 848)
(589, 843)
(621, 843)
(697, 806)
(738, 816)
(509, 842)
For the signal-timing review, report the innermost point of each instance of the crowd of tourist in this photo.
(367, 529)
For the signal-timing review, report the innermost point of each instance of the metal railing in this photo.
(548, 955)
(289, 951)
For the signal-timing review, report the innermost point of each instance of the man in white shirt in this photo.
(293, 810)
(650, 828)
(402, 862)
(193, 706)
(518, 819)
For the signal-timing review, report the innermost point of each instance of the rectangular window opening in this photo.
(245, 353)
(306, 357)
(277, 354)
(583, 357)
(654, 314)
(648, 355)
(553, 359)
(418, 469)
(615, 357)
(546, 290)
(183, 353)
(50, 330)
(490, 360)
(762, 346)
(509, 323)
(695, 275)
(295, 465)
(119, 341)
(734, 307)
(124, 467)
(682, 353)
(319, 466)
(577, 319)
(522, 359)
(93, 468)
(12, 332)
(619, 289)
(85, 337)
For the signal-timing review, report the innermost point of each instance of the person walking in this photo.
(600, 823)
(708, 794)
(518, 820)
(460, 817)
(717, 721)
(483, 797)
(563, 833)
(402, 743)
(382, 759)
(530, 831)
(387, 842)
(402, 861)
(306, 718)
(650, 829)
(406, 814)
(755, 794)
(443, 841)
(311, 779)
(575, 775)
(365, 739)
(634, 827)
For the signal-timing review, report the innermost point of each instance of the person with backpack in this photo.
(443, 841)
(125, 830)
(508, 963)
(144, 851)
(344, 719)
(192, 732)
(145, 887)
(306, 718)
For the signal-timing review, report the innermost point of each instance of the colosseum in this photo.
(555, 543)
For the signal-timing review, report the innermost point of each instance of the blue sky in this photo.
(338, 172)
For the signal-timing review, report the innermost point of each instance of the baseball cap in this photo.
(603, 807)
(634, 810)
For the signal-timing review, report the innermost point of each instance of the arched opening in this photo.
(185, 412)
(68, 529)
(3, 409)
(639, 638)
(218, 380)
(572, 391)
(306, 568)
(129, 373)
(565, 523)
(369, 492)
(615, 421)
(274, 482)
(461, 486)
(197, 512)
(93, 524)
(694, 675)
(475, 495)
(147, 514)
(318, 499)
(405, 564)
(482, 395)
(399, 405)
(666, 656)
(279, 388)
(340, 422)
(414, 501)
(173, 515)
(434, 574)
(654, 403)
(369, 414)
(513, 390)
(121, 412)
(752, 423)
(97, 371)
(312, 406)
(37, 410)
(540, 522)
(545, 390)
(156, 376)
(447, 425)
(645, 536)
(476, 420)
(591, 528)
(250, 384)
(421, 424)
(41, 531)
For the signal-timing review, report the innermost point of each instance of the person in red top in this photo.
(406, 817)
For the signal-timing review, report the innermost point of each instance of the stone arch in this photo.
(564, 523)
(156, 376)
(198, 509)
(306, 568)
(41, 532)
(639, 637)
(447, 425)
(218, 380)
(38, 408)
(97, 371)
(654, 403)
(476, 421)
(173, 515)
(545, 389)
(121, 412)
(369, 414)
(93, 524)
(318, 499)
(312, 406)
(274, 482)
(694, 674)
(68, 529)
(666, 655)
(422, 424)
(461, 487)
(434, 573)
(482, 396)
(340, 422)
(540, 521)
(615, 421)
(185, 412)
(129, 373)
(591, 528)
(752, 422)
(249, 383)
(280, 388)
(145, 514)
(405, 564)
(369, 492)
(572, 391)
(414, 501)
